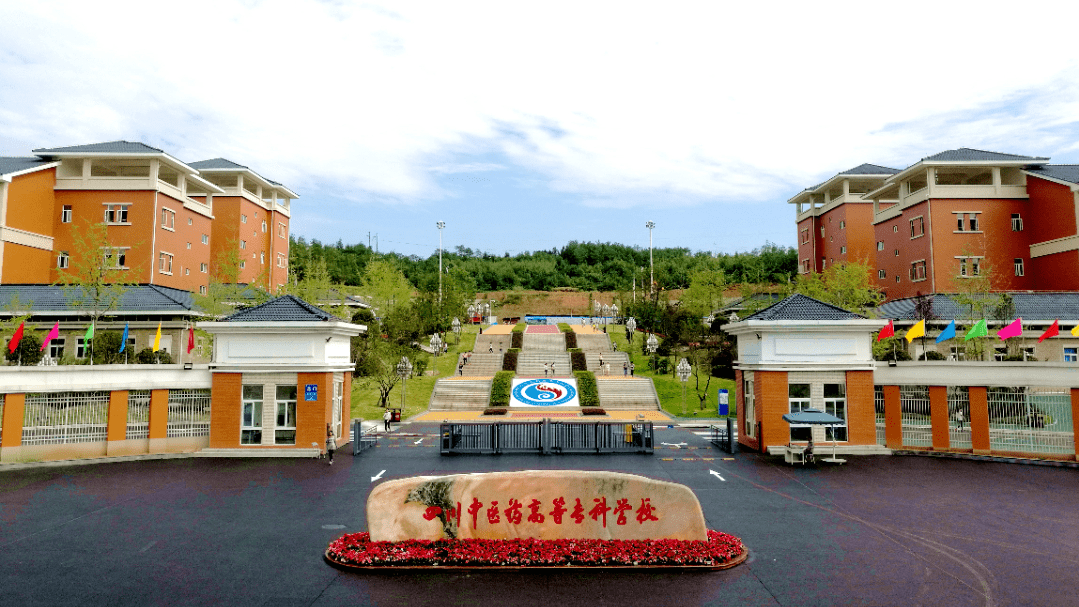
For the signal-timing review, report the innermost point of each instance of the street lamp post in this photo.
(606, 311)
(436, 344)
(614, 311)
(683, 369)
(471, 312)
(651, 264)
(652, 344)
(440, 224)
(456, 326)
(404, 369)
(486, 310)
(631, 326)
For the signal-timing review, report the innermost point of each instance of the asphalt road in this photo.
(876, 531)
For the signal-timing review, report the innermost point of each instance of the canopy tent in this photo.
(816, 417)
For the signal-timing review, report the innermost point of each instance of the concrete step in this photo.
(460, 394)
(593, 342)
(491, 344)
(629, 393)
(482, 364)
(615, 359)
(545, 342)
(530, 364)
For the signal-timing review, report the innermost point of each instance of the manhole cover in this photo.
(333, 526)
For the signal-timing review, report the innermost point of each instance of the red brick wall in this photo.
(938, 413)
(227, 394)
(861, 418)
(311, 417)
(772, 403)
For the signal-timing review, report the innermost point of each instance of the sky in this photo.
(524, 126)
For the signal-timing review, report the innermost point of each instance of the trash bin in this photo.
(395, 415)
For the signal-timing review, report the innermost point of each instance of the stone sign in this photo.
(545, 504)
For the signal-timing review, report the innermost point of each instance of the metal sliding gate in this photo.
(878, 407)
(547, 437)
(1030, 420)
(917, 426)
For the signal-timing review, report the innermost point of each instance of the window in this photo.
(969, 266)
(842, 225)
(81, 348)
(804, 234)
(243, 264)
(251, 416)
(822, 231)
(243, 218)
(189, 222)
(1000, 353)
(189, 246)
(116, 213)
(285, 430)
(281, 260)
(823, 262)
(205, 239)
(958, 353)
(164, 263)
(168, 219)
(62, 260)
(897, 252)
(264, 226)
(798, 399)
(880, 245)
(835, 403)
(282, 231)
(243, 244)
(881, 274)
(131, 346)
(56, 347)
(203, 268)
(1019, 266)
(262, 258)
(1071, 355)
(65, 214)
(842, 250)
(895, 229)
(1017, 223)
(966, 222)
(202, 289)
(917, 270)
(187, 271)
(897, 278)
(751, 409)
(116, 257)
(917, 227)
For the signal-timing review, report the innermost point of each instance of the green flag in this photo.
(89, 332)
(978, 330)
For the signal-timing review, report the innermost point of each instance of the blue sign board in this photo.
(724, 403)
(310, 392)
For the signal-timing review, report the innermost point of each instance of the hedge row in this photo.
(578, 362)
(586, 388)
(517, 338)
(509, 359)
(593, 411)
(564, 327)
(495, 411)
(500, 389)
(571, 339)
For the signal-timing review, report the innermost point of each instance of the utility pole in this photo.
(440, 224)
(651, 263)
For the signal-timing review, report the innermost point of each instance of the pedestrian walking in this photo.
(552, 370)
(625, 369)
(386, 417)
(959, 419)
(601, 361)
(331, 443)
(491, 349)
(546, 369)
(631, 366)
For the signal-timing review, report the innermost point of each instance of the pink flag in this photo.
(1013, 330)
(53, 334)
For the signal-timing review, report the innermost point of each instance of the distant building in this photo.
(949, 216)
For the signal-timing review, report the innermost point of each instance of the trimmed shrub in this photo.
(571, 340)
(509, 359)
(593, 411)
(586, 388)
(495, 411)
(147, 356)
(517, 339)
(578, 360)
(564, 327)
(500, 389)
(419, 367)
(933, 355)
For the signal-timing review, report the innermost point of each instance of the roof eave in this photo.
(1074, 186)
(8, 176)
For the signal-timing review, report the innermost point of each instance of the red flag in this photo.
(1052, 331)
(190, 339)
(16, 338)
(886, 332)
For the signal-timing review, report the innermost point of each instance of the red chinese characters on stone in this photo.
(620, 509)
(559, 510)
(600, 509)
(432, 512)
(646, 512)
(492, 513)
(474, 510)
(578, 512)
(513, 512)
(534, 515)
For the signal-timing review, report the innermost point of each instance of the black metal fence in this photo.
(547, 437)
(359, 439)
(726, 436)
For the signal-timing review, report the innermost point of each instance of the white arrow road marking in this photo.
(418, 442)
(375, 478)
(717, 475)
(675, 445)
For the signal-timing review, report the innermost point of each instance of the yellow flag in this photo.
(917, 330)
(1075, 331)
(157, 338)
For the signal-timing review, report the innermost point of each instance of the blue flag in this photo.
(948, 333)
(123, 340)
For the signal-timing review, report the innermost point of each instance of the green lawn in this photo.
(418, 391)
(668, 387)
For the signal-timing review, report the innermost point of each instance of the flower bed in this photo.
(356, 550)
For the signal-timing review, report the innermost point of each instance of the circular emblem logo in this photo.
(544, 392)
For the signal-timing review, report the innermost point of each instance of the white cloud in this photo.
(716, 102)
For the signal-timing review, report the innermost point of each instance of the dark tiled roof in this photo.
(870, 169)
(217, 163)
(13, 164)
(287, 308)
(800, 307)
(745, 302)
(1060, 172)
(968, 154)
(59, 298)
(109, 147)
(1028, 306)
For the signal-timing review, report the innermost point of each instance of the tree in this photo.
(386, 286)
(376, 362)
(847, 285)
(705, 292)
(97, 275)
(974, 293)
(28, 352)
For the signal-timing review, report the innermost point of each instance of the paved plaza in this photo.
(877, 531)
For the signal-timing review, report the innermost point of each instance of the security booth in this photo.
(282, 376)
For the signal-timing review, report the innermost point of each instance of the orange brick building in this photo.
(953, 215)
(163, 223)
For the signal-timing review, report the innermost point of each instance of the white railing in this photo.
(65, 417)
(878, 407)
(189, 413)
(138, 414)
(917, 427)
(959, 417)
(1031, 420)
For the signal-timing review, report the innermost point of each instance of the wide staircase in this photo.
(615, 359)
(596, 342)
(627, 393)
(482, 364)
(543, 342)
(456, 394)
(486, 343)
(530, 363)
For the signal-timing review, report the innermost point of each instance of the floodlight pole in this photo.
(440, 224)
(651, 263)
